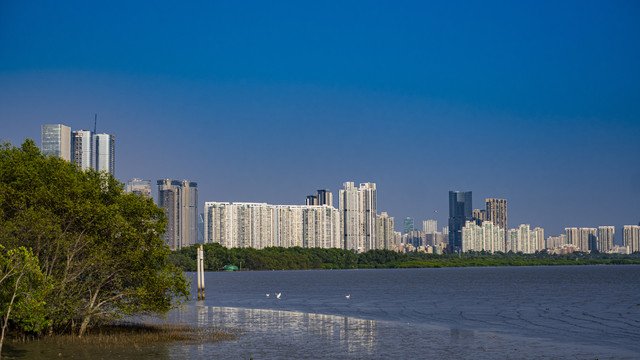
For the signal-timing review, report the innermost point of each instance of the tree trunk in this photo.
(84, 325)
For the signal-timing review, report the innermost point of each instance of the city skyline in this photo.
(536, 103)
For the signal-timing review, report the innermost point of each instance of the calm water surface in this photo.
(582, 312)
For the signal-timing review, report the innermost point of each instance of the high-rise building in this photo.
(260, 225)
(416, 238)
(139, 187)
(369, 206)
(606, 238)
(479, 216)
(56, 140)
(631, 237)
(430, 226)
(385, 232)
(460, 207)
(105, 153)
(180, 202)
(169, 199)
(325, 197)
(588, 239)
(358, 208)
(496, 212)
(556, 241)
(540, 243)
(522, 240)
(573, 236)
(408, 225)
(486, 237)
(311, 200)
(82, 149)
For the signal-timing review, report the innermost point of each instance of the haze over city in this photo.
(534, 102)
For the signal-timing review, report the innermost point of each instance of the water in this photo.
(509, 312)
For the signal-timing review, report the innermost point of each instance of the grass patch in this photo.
(136, 334)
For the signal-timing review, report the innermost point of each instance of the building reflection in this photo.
(358, 336)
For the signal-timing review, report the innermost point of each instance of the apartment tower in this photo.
(180, 202)
(358, 208)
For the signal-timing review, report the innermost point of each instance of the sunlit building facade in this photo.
(485, 237)
(573, 236)
(540, 243)
(139, 187)
(588, 239)
(82, 149)
(179, 199)
(606, 238)
(358, 210)
(631, 237)
(522, 240)
(56, 140)
(430, 226)
(553, 242)
(385, 232)
(260, 225)
(105, 152)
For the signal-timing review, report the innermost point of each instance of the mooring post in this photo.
(198, 274)
(202, 269)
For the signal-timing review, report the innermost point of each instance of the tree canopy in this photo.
(98, 248)
(296, 258)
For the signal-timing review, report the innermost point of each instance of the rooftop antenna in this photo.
(95, 123)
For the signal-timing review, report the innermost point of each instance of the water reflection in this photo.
(340, 333)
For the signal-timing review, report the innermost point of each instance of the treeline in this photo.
(296, 258)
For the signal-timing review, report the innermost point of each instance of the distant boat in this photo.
(230, 268)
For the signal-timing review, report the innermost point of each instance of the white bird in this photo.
(268, 295)
(348, 296)
(278, 295)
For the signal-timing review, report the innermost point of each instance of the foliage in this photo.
(22, 289)
(99, 248)
(277, 258)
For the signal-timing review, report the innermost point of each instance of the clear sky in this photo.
(537, 102)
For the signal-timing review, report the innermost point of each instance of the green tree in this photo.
(100, 248)
(22, 288)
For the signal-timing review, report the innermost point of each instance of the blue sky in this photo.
(536, 102)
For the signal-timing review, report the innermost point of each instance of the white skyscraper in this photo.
(385, 232)
(104, 157)
(56, 140)
(82, 143)
(556, 241)
(631, 237)
(588, 239)
(358, 208)
(487, 237)
(350, 217)
(540, 243)
(261, 225)
(573, 236)
(522, 240)
(430, 226)
(605, 239)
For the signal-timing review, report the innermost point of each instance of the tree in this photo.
(22, 287)
(100, 248)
